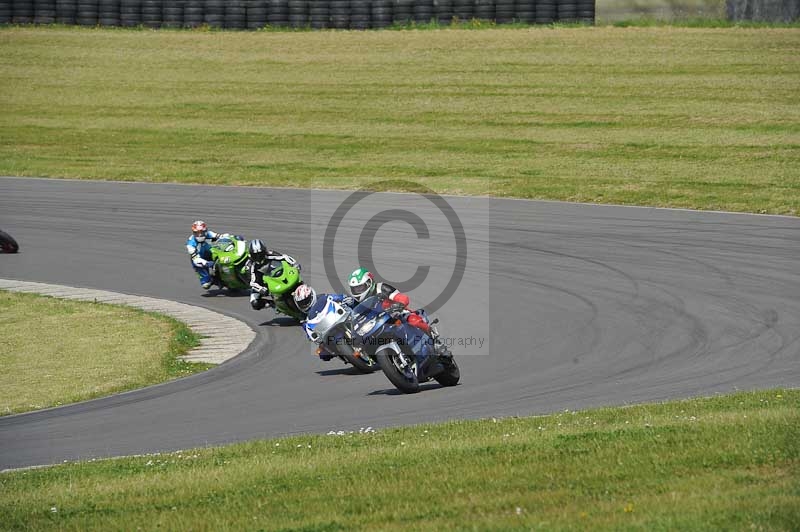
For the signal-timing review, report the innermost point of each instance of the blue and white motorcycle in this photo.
(331, 330)
(407, 356)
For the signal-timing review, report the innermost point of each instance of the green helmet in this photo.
(362, 284)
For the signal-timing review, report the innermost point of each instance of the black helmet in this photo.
(258, 250)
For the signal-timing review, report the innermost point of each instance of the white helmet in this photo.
(361, 284)
(304, 297)
(199, 229)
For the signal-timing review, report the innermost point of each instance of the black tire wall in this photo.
(22, 11)
(6, 11)
(108, 12)
(316, 14)
(87, 13)
(66, 11)
(44, 11)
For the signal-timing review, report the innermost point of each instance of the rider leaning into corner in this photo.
(362, 285)
(308, 302)
(258, 265)
(199, 247)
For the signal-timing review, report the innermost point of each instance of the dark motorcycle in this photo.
(7, 243)
(379, 330)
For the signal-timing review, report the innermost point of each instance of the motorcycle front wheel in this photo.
(357, 362)
(396, 366)
(7, 243)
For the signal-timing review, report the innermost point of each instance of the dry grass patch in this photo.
(56, 351)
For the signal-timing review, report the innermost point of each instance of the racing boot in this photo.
(439, 348)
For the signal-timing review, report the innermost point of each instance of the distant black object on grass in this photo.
(7, 243)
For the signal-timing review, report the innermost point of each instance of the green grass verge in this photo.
(723, 463)
(702, 118)
(55, 351)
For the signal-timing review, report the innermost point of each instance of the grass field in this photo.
(688, 117)
(54, 351)
(727, 463)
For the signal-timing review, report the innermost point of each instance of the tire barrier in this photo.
(66, 11)
(172, 14)
(504, 11)
(423, 11)
(130, 13)
(151, 13)
(108, 12)
(444, 11)
(44, 11)
(214, 14)
(298, 13)
(235, 15)
(525, 11)
(403, 11)
(193, 13)
(360, 14)
(463, 9)
(484, 10)
(340, 14)
(567, 12)
(6, 11)
(319, 14)
(381, 13)
(87, 13)
(257, 14)
(279, 14)
(586, 11)
(315, 14)
(22, 12)
(546, 11)
(763, 10)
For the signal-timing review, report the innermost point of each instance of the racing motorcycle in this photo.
(380, 331)
(281, 278)
(229, 255)
(7, 243)
(331, 330)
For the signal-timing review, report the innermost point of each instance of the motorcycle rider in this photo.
(362, 285)
(305, 297)
(199, 248)
(258, 265)
(307, 301)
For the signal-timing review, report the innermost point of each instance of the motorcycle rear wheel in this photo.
(451, 374)
(7, 243)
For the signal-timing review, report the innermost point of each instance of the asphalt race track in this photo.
(580, 305)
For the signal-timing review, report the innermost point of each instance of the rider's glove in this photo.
(348, 300)
(397, 308)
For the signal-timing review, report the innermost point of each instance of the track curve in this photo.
(590, 305)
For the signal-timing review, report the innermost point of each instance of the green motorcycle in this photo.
(229, 255)
(281, 278)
